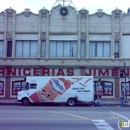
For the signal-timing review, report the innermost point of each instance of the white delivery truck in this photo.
(65, 89)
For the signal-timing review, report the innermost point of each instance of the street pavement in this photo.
(103, 102)
(17, 117)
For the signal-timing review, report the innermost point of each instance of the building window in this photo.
(125, 87)
(63, 48)
(100, 49)
(26, 48)
(17, 86)
(103, 88)
(43, 48)
(9, 48)
(1, 88)
(1, 48)
(82, 49)
(116, 49)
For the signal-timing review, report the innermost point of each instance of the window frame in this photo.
(22, 53)
(105, 93)
(93, 49)
(73, 45)
(2, 48)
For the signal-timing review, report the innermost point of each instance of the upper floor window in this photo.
(26, 48)
(82, 49)
(9, 48)
(1, 48)
(100, 49)
(43, 48)
(63, 48)
(116, 49)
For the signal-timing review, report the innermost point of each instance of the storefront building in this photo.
(64, 42)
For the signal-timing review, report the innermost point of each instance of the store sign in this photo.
(36, 71)
(8, 71)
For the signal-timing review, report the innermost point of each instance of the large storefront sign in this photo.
(41, 71)
(36, 71)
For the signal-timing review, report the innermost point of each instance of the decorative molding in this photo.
(117, 36)
(117, 12)
(78, 59)
(9, 34)
(43, 12)
(83, 12)
(43, 36)
(27, 12)
(100, 13)
(83, 36)
(10, 12)
(64, 11)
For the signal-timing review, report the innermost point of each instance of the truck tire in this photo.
(71, 102)
(25, 102)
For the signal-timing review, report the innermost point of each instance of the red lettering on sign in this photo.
(127, 72)
(101, 73)
(19, 71)
(45, 71)
(88, 73)
(70, 71)
(10, 71)
(26, 71)
(53, 71)
(60, 72)
(94, 72)
(36, 72)
(2, 71)
(115, 72)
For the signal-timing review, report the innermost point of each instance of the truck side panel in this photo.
(59, 89)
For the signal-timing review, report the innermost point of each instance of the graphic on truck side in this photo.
(56, 87)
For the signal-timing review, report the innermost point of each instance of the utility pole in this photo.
(125, 82)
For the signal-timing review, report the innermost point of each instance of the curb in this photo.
(15, 102)
(12, 103)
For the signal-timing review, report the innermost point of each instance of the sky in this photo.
(91, 5)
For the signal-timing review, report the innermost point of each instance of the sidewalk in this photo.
(104, 102)
(9, 102)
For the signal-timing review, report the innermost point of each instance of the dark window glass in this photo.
(33, 86)
(9, 48)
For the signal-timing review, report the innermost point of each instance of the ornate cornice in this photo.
(117, 12)
(27, 12)
(43, 11)
(83, 12)
(100, 13)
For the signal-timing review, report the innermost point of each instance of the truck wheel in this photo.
(25, 102)
(71, 102)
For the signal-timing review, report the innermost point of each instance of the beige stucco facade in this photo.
(75, 26)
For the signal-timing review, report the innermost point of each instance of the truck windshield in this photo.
(27, 86)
